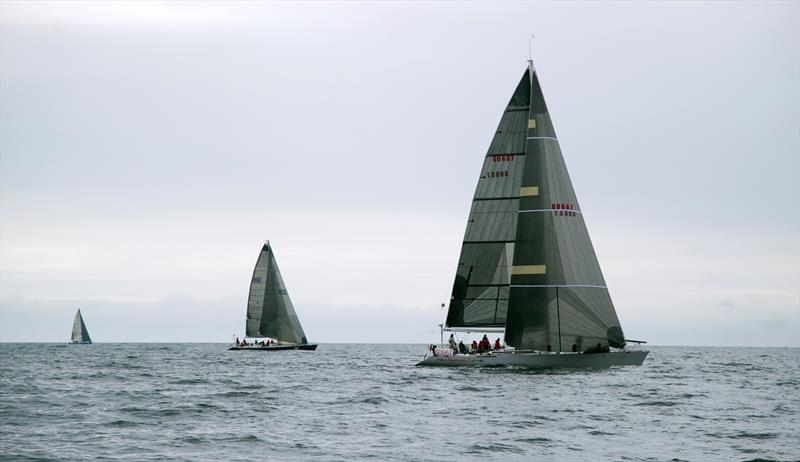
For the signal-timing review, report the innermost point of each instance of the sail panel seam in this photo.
(495, 198)
(557, 285)
(547, 210)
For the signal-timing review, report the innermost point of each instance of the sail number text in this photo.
(561, 209)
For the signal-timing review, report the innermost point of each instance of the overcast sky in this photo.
(148, 149)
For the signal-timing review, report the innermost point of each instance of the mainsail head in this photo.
(270, 312)
(79, 332)
(547, 287)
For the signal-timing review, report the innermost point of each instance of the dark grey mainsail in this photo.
(79, 332)
(270, 312)
(527, 262)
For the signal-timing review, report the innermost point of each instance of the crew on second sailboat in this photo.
(263, 343)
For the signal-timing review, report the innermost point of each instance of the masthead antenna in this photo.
(530, 50)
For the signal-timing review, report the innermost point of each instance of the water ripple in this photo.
(132, 402)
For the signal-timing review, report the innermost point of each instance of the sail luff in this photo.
(255, 299)
(76, 327)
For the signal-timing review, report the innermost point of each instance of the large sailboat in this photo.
(527, 267)
(79, 333)
(272, 324)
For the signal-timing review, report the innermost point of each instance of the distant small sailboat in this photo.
(270, 313)
(527, 267)
(79, 333)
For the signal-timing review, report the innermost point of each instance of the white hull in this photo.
(540, 360)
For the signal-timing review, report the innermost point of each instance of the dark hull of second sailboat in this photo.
(540, 360)
(304, 346)
(80, 343)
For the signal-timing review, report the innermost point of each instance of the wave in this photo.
(756, 435)
(192, 439)
(123, 423)
(237, 438)
(11, 457)
(235, 394)
(657, 403)
(494, 448)
(534, 440)
(189, 382)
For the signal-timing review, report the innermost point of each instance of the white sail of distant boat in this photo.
(272, 323)
(527, 266)
(79, 333)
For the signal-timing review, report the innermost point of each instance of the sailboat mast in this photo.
(558, 317)
(530, 54)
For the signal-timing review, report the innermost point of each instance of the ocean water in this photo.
(200, 402)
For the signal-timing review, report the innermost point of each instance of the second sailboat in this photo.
(272, 324)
